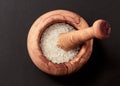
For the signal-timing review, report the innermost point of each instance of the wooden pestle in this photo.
(100, 29)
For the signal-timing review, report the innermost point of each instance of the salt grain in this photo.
(49, 44)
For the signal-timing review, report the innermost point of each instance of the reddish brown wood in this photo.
(33, 43)
(100, 29)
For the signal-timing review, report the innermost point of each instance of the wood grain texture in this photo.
(34, 36)
(69, 40)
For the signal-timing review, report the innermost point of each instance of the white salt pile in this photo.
(49, 44)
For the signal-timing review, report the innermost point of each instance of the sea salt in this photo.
(49, 46)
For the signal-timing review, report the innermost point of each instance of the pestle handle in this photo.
(100, 29)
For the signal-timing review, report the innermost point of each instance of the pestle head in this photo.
(101, 29)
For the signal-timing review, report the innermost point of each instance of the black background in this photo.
(16, 67)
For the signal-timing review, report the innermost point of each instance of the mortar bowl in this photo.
(34, 49)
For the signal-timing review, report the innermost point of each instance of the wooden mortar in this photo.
(34, 49)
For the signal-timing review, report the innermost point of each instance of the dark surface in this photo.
(17, 69)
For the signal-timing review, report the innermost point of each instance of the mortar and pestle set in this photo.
(83, 36)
